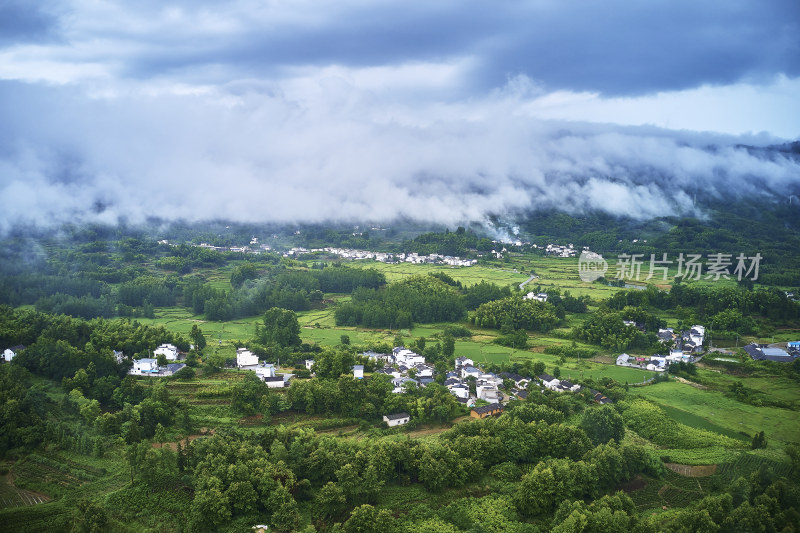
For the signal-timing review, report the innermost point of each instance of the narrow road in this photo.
(533, 277)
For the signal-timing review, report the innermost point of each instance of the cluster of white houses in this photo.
(247, 360)
(384, 257)
(149, 366)
(685, 346)
(688, 342)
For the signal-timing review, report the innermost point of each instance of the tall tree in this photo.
(602, 424)
(280, 328)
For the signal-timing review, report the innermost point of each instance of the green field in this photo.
(466, 275)
(778, 424)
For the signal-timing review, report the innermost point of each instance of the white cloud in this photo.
(737, 109)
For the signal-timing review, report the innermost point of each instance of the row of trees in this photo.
(416, 299)
(516, 313)
(252, 294)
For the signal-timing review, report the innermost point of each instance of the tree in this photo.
(556, 372)
(89, 518)
(161, 435)
(280, 328)
(247, 394)
(602, 424)
(243, 273)
(161, 359)
(345, 339)
(367, 519)
(448, 345)
(210, 507)
(759, 441)
(330, 501)
(197, 337)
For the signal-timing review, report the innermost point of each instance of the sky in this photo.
(444, 111)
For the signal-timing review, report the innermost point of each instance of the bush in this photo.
(185, 373)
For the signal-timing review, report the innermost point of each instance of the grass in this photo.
(180, 320)
(466, 275)
(778, 424)
(696, 421)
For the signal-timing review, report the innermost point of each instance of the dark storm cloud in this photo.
(616, 47)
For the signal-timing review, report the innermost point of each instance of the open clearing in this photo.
(780, 424)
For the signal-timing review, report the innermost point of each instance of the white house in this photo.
(11, 353)
(274, 382)
(463, 361)
(144, 367)
(470, 371)
(676, 356)
(375, 356)
(539, 297)
(118, 356)
(623, 359)
(167, 350)
(569, 386)
(265, 371)
(460, 391)
(245, 357)
(309, 363)
(406, 357)
(666, 335)
(488, 393)
(423, 371)
(397, 419)
(358, 371)
(400, 384)
(549, 381)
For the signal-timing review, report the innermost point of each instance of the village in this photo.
(485, 393)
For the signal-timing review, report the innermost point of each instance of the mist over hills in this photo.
(125, 112)
(216, 162)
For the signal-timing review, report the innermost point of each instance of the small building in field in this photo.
(144, 367)
(246, 358)
(486, 410)
(397, 419)
(267, 370)
(470, 372)
(358, 371)
(167, 350)
(309, 364)
(462, 362)
(549, 381)
(274, 382)
(10, 353)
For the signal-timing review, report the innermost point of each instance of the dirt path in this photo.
(692, 471)
(433, 431)
(691, 383)
(19, 497)
(184, 442)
